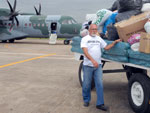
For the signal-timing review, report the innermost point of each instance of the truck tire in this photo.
(80, 73)
(132, 70)
(128, 75)
(128, 71)
(139, 93)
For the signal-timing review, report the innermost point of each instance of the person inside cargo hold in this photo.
(92, 68)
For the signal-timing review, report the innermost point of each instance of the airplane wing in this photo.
(5, 34)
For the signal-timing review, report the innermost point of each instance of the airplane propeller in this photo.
(38, 12)
(13, 13)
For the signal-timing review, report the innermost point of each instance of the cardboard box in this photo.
(145, 43)
(131, 26)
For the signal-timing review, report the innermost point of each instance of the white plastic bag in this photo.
(135, 46)
(102, 16)
(146, 7)
(147, 26)
(84, 32)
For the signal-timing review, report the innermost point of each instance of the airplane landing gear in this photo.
(11, 41)
(66, 42)
(4, 41)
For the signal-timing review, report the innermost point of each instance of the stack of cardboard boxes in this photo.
(134, 25)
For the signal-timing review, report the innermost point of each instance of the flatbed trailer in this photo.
(138, 83)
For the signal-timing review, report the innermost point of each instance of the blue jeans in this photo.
(88, 74)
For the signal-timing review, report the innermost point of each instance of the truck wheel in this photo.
(132, 70)
(138, 93)
(128, 74)
(80, 73)
(66, 42)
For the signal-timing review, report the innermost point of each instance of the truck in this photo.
(136, 65)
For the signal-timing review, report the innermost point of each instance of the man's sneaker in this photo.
(102, 107)
(86, 104)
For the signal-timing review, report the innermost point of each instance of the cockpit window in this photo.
(73, 21)
(65, 22)
(70, 21)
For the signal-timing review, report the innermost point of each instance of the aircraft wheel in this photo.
(11, 41)
(66, 42)
(4, 41)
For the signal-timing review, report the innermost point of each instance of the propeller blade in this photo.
(36, 10)
(17, 21)
(15, 14)
(12, 24)
(14, 8)
(39, 9)
(10, 6)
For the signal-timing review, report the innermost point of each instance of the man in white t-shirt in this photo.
(91, 45)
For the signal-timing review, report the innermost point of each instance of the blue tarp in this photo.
(119, 49)
(76, 39)
(76, 44)
(78, 50)
(121, 52)
(117, 53)
(139, 58)
(110, 20)
(117, 58)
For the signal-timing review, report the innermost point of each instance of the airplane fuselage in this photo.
(15, 26)
(40, 26)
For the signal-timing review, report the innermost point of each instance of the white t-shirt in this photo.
(94, 45)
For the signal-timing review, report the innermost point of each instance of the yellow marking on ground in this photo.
(6, 46)
(27, 60)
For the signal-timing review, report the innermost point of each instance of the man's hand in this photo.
(95, 63)
(119, 40)
(112, 44)
(116, 41)
(85, 50)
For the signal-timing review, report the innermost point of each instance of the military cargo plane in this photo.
(15, 26)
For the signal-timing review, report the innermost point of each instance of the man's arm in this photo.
(85, 50)
(112, 44)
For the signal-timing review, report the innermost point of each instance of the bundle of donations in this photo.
(128, 20)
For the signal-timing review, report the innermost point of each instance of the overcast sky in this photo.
(75, 8)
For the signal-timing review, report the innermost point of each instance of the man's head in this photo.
(93, 30)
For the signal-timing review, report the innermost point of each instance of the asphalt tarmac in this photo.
(36, 77)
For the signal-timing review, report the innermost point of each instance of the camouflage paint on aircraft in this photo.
(4, 12)
(40, 24)
(4, 30)
(14, 26)
(69, 24)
